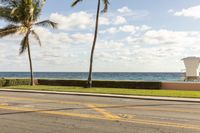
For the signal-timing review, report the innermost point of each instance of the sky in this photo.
(134, 36)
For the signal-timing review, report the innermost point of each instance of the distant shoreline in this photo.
(141, 76)
(87, 72)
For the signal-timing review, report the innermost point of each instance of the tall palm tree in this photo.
(22, 16)
(106, 3)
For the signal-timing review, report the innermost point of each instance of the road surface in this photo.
(50, 113)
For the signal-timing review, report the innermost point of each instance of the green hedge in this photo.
(104, 84)
(61, 82)
(82, 83)
(128, 84)
(14, 82)
(2, 82)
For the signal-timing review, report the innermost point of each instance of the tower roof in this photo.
(191, 58)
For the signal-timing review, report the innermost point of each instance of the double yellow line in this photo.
(106, 115)
(104, 112)
(101, 105)
(29, 110)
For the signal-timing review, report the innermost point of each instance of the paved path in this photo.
(51, 113)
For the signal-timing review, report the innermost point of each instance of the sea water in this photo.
(144, 76)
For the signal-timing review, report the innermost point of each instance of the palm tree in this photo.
(22, 16)
(106, 3)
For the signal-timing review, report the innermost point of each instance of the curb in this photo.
(194, 100)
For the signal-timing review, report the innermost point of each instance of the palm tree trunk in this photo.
(89, 82)
(31, 68)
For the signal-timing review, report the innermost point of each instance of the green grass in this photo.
(167, 93)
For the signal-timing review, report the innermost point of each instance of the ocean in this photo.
(140, 76)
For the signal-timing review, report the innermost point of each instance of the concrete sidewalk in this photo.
(195, 100)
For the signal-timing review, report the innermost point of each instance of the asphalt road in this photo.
(49, 113)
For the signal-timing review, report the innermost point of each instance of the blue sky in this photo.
(134, 36)
(157, 9)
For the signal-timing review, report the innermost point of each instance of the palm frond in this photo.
(106, 3)
(47, 23)
(24, 10)
(13, 11)
(24, 43)
(21, 11)
(37, 6)
(5, 1)
(5, 14)
(36, 37)
(9, 30)
(37, 10)
(75, 2)
(4, 11)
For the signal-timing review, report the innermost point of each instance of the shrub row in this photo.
(61, 82)
(104, 84)
(128, 84)
(14, 82)
(2, 82)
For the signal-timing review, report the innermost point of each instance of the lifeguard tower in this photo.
(192, 68)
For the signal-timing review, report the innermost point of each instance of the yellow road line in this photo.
(135, 121)
(106, 114)
(103, 112)
(100, 105)
(49, 112)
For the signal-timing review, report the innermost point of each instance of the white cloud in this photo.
(124, 9)
(128, 28)
(167, 37)
(49, 37)
(110, 44)
(150, 49)
(111, 30)
(81, 20)
(104, 21)
(119, 20)
(164, 48)
(189, 12)
(132, 14)
(111, 51)
(78, 21)
(129, 48)
(82, 38)
(145, 27)
(133, 29)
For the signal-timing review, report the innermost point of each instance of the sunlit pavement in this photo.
(50, 113)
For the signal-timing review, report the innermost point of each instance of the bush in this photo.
(14, 82)
(128, 84)
(2, 82)
(61, 82)
(104, 84)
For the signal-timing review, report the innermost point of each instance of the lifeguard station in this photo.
(192, 68)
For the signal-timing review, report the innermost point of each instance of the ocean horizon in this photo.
(142, 76)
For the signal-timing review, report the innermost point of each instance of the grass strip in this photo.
(120, 91)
